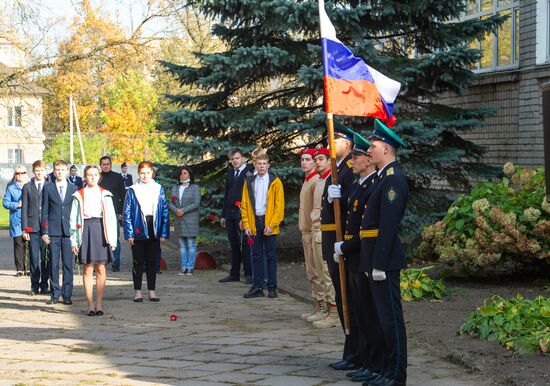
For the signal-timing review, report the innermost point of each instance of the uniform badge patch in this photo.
(391, 195)
(390, 172)
(348, 162)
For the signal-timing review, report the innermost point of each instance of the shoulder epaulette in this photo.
(390, 172)
(349, 163)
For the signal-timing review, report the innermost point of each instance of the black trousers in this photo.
(353, 343)
(145, 251)
(240, 251)
(19, 253)
(387, 300)
(39, 263)
(369, 325)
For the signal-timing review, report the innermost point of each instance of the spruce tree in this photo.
(266, 86)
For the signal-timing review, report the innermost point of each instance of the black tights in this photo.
(145, 251)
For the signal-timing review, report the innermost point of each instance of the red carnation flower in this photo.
(138, 231)
(212, 217)
(174, 198)
(28, 230)
(250, 241)
(173, 317)
(238, 203)
(78, 226)
(45, 224)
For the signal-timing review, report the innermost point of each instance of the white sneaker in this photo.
(318, 308)
(189, 273)
(181, 273)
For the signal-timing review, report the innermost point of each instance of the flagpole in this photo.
(334, 177)
(338, 221)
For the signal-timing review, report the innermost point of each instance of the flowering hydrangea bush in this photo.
(497, 223)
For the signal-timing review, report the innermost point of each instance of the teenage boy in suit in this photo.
(31, 210)
(56, 210)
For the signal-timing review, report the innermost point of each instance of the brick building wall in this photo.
(515, 133)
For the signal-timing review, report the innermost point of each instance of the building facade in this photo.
(514, 64)
(21, 134)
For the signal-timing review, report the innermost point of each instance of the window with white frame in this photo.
(500, 50)
(14, 156)
(14, 116)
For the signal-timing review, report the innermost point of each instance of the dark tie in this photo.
(236, 173)
(61, 192)
(39, 187)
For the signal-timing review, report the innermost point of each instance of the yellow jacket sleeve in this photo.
(278, 214)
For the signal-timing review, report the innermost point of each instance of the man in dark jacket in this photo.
(56, 210)
(74, 178)
(113, 182)
(126, 177)
(31, 210)
(231, 217)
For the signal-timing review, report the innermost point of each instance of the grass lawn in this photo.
(4, 218)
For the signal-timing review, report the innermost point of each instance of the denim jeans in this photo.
(188, 250)
(264, 257)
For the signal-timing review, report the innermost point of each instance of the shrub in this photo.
(519, 324)
(416, 285)
(497, 223)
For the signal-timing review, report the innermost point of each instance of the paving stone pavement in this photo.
(218, 338)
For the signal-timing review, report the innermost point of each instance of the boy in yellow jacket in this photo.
(262, 210)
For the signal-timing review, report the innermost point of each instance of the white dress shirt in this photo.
(260, 193)
(92, 202)
(181, 190)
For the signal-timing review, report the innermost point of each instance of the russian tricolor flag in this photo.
(351, 86)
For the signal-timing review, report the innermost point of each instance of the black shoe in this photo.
(53, 301)
(19, 274)
(138, 300)
(383, 381)
(116, 269)
(44, 291)
(228, 279)
(336, 363)
(272, 293)
(99, 313)
(91, 313)
(356, 372)
(254, 293)
(159, 271)
(248, 280)
(366, 376)
(67, 302)
(345, 365)
(33, 293)
(154, 299)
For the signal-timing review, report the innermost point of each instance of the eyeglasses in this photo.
(20, 173)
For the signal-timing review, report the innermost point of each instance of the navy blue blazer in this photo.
(31, 206)
(380, 246)
(56, 214)
(76, 181)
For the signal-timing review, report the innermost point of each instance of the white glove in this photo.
(334, 191)
(366, 274)
(378, 275)
(336, 258)
(338, 247)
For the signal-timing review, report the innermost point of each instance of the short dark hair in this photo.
(188, 169)
(234, 151)
(60, 162)
(123, 165)
(104, 158)
(72, 167)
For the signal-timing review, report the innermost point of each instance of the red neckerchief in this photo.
(310, 176)
(327, 173)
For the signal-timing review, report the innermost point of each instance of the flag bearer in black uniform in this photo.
(361, 299)
(343, 146)
(382, 255)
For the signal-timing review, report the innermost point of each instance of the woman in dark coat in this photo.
(185, 202)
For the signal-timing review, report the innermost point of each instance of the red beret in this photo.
(307, 150)
(321, 151)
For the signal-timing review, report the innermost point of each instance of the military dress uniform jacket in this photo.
(345, 180)
(380, 244)
(351, 247)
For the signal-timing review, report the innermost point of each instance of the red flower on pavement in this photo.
(174, 198)
(238, 203)
(173, 317)
(78, 226)
(28, 230)
(212, 217)
(138, 231)
(45, 224)
(250, 241)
